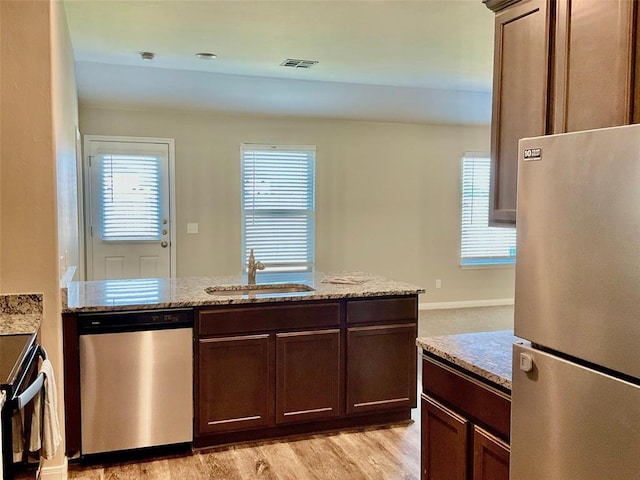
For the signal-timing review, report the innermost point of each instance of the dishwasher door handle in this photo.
(25, 397)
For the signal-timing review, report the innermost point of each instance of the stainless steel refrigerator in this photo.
(576, 391)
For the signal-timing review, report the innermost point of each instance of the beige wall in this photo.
(388, 194)
(37, 122)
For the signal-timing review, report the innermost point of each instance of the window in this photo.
(278, 203)
(480, 243)
(130, 197)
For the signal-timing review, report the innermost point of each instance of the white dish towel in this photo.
(46, 422)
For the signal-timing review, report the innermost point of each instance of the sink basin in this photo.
(228, 290)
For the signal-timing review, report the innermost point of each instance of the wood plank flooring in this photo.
(381, 453)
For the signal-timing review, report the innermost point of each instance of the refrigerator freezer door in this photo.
(578, 256)
(572, 423)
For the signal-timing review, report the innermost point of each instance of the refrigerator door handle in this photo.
(526, 362)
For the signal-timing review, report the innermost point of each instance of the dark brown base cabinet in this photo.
(445, 436)
(381, 367)
(490, 456)
(308, 375)
(465, 426)
(235, 387)
(274, 369)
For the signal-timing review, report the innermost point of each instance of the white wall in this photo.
(388, 194)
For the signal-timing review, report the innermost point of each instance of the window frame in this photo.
(488, 260)
(309, 213)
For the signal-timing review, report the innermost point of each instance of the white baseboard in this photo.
(59, 472)
(466, 304)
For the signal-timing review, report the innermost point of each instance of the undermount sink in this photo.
(228, 290)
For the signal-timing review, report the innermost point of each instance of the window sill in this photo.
(478, 266)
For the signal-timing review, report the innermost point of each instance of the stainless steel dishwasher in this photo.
(136, 379)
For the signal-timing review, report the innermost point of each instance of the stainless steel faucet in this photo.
(253, 267)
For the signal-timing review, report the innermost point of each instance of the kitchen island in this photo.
(304, 357)
(154, 293)
(466, 405)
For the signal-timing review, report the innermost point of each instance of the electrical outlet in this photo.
(438, 283)
(192, 228)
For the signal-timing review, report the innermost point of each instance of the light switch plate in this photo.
(192, 228)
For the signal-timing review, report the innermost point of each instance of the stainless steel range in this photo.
(20, 381)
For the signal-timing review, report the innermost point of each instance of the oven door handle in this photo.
(31, 391)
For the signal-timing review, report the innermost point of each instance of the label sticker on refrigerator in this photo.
(531, 154)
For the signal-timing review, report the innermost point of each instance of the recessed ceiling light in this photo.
(147, 55)
(206, 55)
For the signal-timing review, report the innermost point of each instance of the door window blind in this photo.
(130, 197)
(278, 203)
(480, 243)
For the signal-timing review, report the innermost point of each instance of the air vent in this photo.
(295, 63)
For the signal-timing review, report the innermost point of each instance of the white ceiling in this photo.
(393, 60)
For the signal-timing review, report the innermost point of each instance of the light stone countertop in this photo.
(20, 313)
(486, 354)
(148, 293)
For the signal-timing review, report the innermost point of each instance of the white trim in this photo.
(283, 147)
(59, 472)
(80, 199)
(466, 304)
(171, 143)
(481, 266)
(67, 276)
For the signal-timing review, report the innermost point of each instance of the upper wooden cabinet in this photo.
(520, 96)
(594, 64)
(559, 66)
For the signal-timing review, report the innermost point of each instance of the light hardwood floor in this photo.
(389, 453)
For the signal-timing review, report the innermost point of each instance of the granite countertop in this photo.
(20, 313)
(145, 293)
(486, 354)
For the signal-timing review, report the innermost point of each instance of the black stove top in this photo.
(13, 353)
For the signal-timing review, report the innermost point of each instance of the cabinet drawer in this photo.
(261, 318)
(483, 403)
(385, 310)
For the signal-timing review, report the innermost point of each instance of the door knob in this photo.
(164, 244)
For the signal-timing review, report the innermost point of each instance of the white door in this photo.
(129, 215)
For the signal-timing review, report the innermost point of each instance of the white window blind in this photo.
(130, 197)
(480, 243)
(278, 202)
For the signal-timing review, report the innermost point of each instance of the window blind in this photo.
(278, 202)
(130, 197)
(480, 243)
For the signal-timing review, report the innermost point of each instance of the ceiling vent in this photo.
(295, 63)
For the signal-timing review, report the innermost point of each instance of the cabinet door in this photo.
(381, 367)
(307, 375)
(520, 97)
(490, 456)
(234, 383)
(594, 64)
(444, 443)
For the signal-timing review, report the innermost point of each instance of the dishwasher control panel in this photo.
(106, 322)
